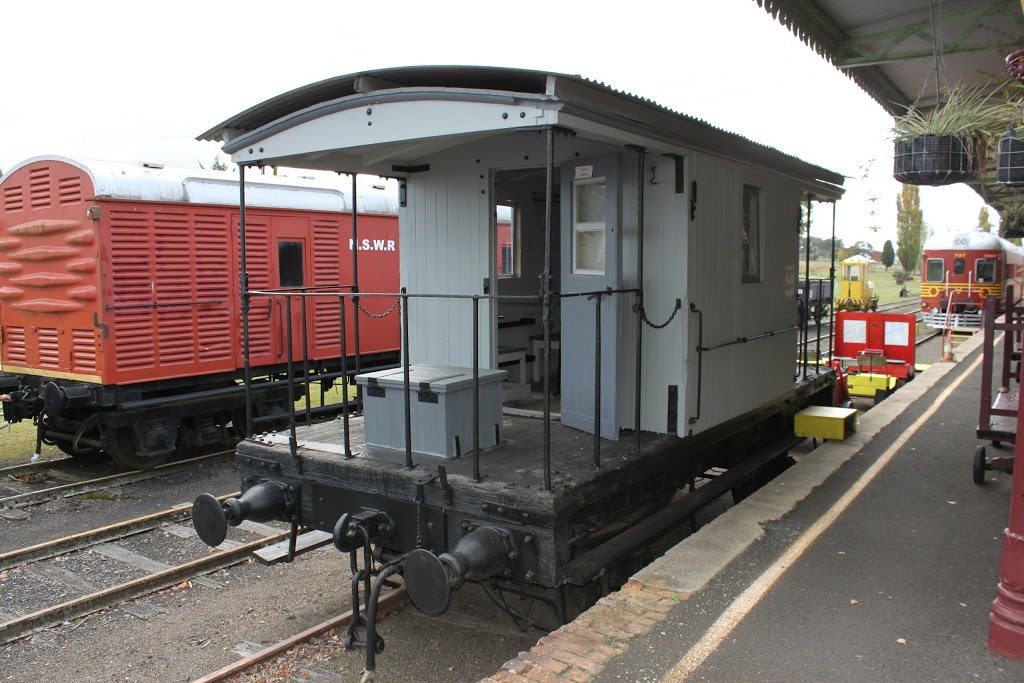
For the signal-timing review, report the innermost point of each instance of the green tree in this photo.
(888, 255)
(217, 164)
(910, 228)
(984, 224)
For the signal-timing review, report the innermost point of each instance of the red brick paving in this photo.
(579, 651)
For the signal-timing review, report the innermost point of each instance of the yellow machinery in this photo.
(856, 292)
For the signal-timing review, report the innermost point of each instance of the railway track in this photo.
(22, 477)
(26, 566)
(387, 603)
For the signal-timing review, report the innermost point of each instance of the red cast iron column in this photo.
(1006, 623)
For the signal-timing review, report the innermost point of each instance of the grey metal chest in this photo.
(441, 406)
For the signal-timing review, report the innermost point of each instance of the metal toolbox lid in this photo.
(441, 378)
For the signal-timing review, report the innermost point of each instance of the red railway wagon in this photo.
(119, 297)
(960, 270)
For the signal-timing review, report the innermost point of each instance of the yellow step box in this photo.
(820, 422)
(867, 384)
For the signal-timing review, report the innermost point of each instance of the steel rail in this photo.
(385, 605)
(87, 604)
(85, 539)
(100, 483)
(38, 465)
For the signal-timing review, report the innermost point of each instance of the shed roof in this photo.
(557, 94)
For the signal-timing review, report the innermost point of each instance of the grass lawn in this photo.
(885, 287)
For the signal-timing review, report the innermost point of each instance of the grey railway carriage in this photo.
(566, 381)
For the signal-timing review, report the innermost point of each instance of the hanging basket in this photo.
(936, 159)
(1010, 167)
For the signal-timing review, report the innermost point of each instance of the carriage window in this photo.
(933, 270)
(986, 270)
(289, 258)
(959, 266)
(588, 243)
(509, 248)
(751, 234)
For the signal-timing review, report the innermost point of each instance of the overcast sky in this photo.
(132, 81)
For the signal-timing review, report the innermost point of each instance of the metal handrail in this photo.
(404, 298)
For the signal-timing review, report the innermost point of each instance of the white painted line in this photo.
(745, 603)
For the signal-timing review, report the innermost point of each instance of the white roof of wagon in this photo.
(969, 239)
(155, 182)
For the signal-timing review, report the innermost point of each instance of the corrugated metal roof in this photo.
(311, 101)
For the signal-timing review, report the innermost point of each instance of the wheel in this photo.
(122, 449)
(980, 465)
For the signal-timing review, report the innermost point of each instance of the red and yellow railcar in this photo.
(960, 270)
(119, 297)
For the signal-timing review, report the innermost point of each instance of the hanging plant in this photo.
(946, 144)
(1012, 219)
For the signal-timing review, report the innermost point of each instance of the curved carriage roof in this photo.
(159, 183)
(581, 97)
(974, 240)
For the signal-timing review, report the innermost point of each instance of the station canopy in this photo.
(888, 47)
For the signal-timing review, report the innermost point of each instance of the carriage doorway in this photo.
(518, 253)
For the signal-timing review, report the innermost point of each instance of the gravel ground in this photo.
(200, 629)
(64, 516)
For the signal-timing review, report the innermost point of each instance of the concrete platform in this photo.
(872, 559)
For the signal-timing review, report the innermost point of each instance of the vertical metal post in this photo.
(405, 379)
(355, 284)
(476, 388)
(545, 290)
(293, 539)
(344, 382)
(243, 277)
(831, 287)
(807, 284)
(640, 287)
(305, 361)
(597, 382)
(293, 444)
(1008, 337)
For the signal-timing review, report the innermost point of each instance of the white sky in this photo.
(114, 80)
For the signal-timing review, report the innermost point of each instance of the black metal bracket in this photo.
(426, 394)
(100, 326)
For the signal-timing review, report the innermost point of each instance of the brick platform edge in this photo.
(579, 650)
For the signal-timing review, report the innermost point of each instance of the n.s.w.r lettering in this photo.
(374, 245)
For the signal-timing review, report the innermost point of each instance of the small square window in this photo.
(589, 238)
(933, 270)
(986, 270)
